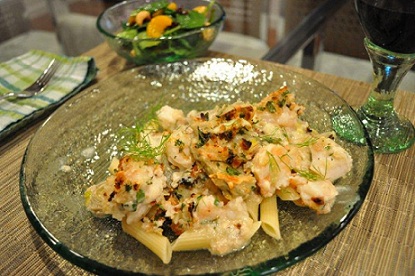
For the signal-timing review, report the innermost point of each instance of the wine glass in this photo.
(389, 27)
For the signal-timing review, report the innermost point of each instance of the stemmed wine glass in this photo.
(389, 27)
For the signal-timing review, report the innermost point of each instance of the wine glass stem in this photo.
(378, 113)
(388, 72)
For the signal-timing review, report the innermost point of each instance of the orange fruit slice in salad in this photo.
(172, 6)
(200, 9)
(158, 25)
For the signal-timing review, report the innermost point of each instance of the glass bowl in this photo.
(190, 44)
(73, 149)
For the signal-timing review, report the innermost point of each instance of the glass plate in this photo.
(72, 151)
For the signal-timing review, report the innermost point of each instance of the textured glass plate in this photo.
(73, 148)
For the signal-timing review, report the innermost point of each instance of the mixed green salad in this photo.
(149, 24)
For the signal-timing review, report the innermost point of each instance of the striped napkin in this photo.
(72, 76)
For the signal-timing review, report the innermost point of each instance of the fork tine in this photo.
(48, 73)
(38, 85)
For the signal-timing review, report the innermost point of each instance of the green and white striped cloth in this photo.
(72, 76)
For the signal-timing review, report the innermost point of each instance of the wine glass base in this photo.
(388, 136)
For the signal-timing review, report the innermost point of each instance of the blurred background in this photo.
(252, 27)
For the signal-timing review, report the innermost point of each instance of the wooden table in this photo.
(380, 240)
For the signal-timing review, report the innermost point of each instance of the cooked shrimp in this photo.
(170, 118)
(131, 192)
(279, 108)
(230, 225)
(271, 170)
(329, 159)
(208, 209)
(178, 147)
(318, 195)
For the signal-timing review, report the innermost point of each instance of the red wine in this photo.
(389, 24)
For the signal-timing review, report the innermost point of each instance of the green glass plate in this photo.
(72, 151)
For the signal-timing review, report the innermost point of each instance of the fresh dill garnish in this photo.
(310, 175)
(308, 142)
(271, 139)
(136, 142)
(274, 168)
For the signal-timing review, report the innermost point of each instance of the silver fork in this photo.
(38, 86)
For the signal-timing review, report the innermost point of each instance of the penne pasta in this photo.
(157, 243)
(192, 240)
(269, 217)
(255, 227)
(252, 204)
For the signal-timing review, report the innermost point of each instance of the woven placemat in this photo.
(378, 241)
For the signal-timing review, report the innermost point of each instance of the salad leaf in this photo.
(127, 34)
(143, 43)
(152, 7)
(191, 20)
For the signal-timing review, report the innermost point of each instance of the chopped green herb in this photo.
(180, 144)
(140, 196)
(216, 202)
(282, 102)
(270, 107)
(203, 138)
(232, 171)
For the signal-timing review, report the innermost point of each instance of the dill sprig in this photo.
(310, 175)
(310, 141)
(135, 141)
(271, 139)
(274, 168)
